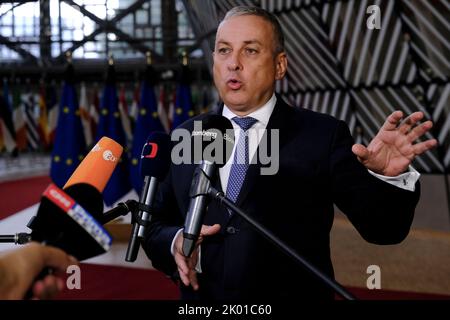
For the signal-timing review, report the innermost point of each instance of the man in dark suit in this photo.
(318, 165)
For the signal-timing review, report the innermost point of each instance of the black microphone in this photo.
(216, 138)
(154, 166)
(64, 223)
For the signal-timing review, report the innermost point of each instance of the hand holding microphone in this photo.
(66, 222)
(221, 128)
(19, 268)
(186, 244)
(187, 264)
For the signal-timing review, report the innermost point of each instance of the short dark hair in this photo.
(269, 17)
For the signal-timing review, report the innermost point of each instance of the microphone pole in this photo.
(142, 219)
(220, 197)
(122, 209)
(18, 238)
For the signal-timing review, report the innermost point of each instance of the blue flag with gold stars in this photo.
(147, 121)
(183, 99)
(69, 147)
(110, 125)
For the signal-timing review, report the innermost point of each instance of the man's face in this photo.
(245, 65)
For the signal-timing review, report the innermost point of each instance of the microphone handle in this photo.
(197, 207)
(137, 233)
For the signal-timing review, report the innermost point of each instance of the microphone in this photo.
(216, 130)
(69, 218)
(62, 222)
(154, 166)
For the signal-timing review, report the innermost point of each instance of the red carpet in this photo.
(100, 282)
(20, 194)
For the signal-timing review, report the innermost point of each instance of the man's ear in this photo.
(280, 65)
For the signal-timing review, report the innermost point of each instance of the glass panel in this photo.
(6, 31)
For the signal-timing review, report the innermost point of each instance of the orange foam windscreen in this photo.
(98, 166)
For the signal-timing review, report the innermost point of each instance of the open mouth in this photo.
(234, 84)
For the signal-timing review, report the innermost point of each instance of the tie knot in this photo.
(245, 123)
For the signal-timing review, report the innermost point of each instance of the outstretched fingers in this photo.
(419, 131)
(422, 147)
(409, 122)
(392, 121)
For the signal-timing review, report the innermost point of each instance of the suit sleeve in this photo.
(166, 221)
(382, 213)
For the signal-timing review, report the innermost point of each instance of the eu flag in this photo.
(183, 100)
(70, 146)
(110, 125)
(147, 121)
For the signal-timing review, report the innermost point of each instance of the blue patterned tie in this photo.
(241, 158)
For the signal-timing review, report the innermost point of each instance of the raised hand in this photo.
(392, 150)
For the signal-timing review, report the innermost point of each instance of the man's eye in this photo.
(251, 50)
(223, 50)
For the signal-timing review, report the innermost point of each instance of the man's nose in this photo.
(234, 64)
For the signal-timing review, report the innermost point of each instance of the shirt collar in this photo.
(262, 114)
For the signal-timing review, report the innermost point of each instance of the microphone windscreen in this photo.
(88, 197)
(216, 137)
(98, 166)
(65, 224)
(155, 156)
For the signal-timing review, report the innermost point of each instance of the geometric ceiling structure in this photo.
(340, 63)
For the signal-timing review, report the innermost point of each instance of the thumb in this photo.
(209, 230)
(360, 151)
(56, 258)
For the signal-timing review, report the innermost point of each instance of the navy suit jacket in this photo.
(316, 170)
